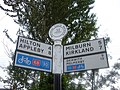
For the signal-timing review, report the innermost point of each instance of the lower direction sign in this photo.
(81, 63)
(29, 61)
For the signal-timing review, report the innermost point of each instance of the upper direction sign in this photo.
(84, 48)
(57, 31)
(35, 47)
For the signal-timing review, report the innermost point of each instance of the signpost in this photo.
(59, 59)
(56, 33)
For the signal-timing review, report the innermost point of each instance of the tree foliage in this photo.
(111, 78)
(36, 17)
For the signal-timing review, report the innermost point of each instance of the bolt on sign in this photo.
(86, 55)
(35, 47)
(84, 48)
(32, 54)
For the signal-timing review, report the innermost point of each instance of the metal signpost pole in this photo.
(57, 82)
(56, 33)
(57, 64)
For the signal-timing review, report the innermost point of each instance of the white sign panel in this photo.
(84, 48)
(29, 45)
(95, 61)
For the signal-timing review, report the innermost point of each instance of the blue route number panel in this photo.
(33, 62)
(76, 67)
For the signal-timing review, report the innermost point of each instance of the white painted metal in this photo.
(35, 47)
(95, 61)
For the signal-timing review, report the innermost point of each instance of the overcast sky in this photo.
(107, 11)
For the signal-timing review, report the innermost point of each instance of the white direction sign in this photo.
(84, 48)
(35, 47)
(95, 61)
